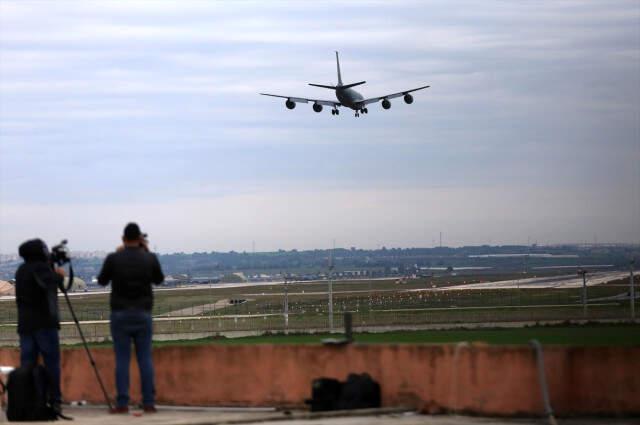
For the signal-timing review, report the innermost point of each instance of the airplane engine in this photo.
(408, 98)
(290, 104)
(386, 104)
(317, 107)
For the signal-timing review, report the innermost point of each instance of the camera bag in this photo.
(28, 395)
(325, 393)
(358, 392)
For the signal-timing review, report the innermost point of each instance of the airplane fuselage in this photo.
(349, 98)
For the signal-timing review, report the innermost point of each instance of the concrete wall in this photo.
(486, 380)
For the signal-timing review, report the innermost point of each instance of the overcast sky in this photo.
(149, 111)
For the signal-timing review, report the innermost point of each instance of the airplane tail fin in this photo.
(338, 66)
(340, 85)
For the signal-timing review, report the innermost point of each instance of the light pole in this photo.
(331, 290)
(584, 291)
(632, 292)
(370, 296)
(286, 305)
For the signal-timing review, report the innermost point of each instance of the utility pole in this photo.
(583, 272)
(286, 305)
(370, 297)
(440, 239)
(331, 288)
(632, 292)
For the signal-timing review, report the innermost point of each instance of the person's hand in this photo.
(144, 244)
(60, 271)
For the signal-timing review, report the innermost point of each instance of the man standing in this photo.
(37, 284)
(131, 271)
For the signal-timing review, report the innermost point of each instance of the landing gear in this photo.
(357, 114)
(335, 112)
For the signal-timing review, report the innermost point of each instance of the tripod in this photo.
(84, 341)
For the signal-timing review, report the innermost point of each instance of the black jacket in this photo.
(131, 273)
(36, 289)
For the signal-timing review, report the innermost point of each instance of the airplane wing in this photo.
(391, 96)
(305, 100)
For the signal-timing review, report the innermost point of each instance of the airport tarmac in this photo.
(567, 281)
(204, 416)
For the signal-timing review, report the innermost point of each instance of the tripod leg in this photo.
(86, 347)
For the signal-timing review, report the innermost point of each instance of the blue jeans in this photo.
(46, 343)
(127, 326)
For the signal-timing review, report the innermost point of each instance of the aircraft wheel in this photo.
(366, 111)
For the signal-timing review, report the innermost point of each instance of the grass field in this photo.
(310, 298)
(373, 304)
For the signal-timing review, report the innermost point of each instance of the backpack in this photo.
(28, 395)
(325, 393)
(358, 392)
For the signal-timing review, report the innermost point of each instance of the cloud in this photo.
(123, 103)
(364, 218)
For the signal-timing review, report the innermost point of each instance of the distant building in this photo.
(6, 288)
(78, 284)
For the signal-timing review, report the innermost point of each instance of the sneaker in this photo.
(119, 410)
(150, 409)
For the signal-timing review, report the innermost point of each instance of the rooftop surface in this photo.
(211, 416)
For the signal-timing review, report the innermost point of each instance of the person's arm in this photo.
(158, 276)
(107, 271)
(46, 276)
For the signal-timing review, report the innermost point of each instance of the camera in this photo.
(144, 241)
(60, 254)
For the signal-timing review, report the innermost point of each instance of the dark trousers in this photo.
(136, 326)
(43, 342)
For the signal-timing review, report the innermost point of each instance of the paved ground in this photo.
(197, 309)
(568, 281)
(177, 416)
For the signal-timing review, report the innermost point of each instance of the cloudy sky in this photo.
(148, 111)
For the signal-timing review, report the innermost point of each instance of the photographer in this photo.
(37, 285)
(131, 270)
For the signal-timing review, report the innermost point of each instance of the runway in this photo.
(567, 281)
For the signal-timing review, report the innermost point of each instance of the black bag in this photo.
(29, 394)
(358, 392)
(325, 393)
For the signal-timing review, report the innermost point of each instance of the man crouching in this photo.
(131, 270)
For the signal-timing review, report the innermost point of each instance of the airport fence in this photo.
(373, 320)
(201, 316)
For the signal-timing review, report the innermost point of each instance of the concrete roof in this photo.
(217, 416)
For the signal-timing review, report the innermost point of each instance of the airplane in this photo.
(346, 97)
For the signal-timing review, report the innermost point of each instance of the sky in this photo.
(149, 111)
